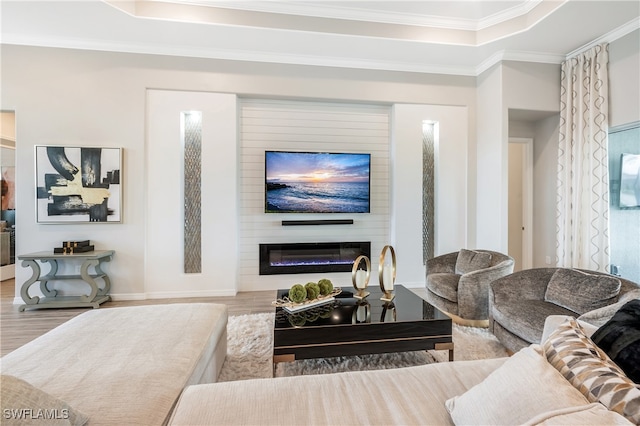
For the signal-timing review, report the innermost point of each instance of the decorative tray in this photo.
(292, 307)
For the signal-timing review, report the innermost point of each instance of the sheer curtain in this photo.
(583, 171)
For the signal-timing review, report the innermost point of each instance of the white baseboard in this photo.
(117, 297)
(127, 296)
(172, 295)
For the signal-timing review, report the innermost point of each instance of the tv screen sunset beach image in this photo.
(307, 182)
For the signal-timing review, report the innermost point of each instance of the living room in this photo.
(313, 78)
(101, 97)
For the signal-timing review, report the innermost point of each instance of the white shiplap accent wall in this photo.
(308, 126)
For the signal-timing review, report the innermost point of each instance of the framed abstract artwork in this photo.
(78, 184)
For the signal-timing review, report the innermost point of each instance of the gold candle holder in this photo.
(360, 277)
(387, 273)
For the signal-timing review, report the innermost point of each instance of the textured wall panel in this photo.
(192, 136)
(428, 191)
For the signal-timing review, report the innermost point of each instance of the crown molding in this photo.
(386, 17)
(285, 16)
(310, 60)
(517, 56)
(259, 56)
(238, 55)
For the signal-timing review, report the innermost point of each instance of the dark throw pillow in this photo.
(620, 339)
(470, 260)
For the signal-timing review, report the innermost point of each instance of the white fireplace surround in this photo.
(393, 137)
(236, 133)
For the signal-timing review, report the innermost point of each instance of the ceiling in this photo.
(460, 37)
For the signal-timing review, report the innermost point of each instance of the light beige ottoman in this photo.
(126, 365)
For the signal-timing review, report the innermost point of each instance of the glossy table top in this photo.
(348, 310)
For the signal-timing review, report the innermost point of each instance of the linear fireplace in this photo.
(299, 258)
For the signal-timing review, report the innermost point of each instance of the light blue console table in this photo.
(51, 299)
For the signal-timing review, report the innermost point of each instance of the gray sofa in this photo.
(463, 290)
(520, 302)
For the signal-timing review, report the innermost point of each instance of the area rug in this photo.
(250, 346)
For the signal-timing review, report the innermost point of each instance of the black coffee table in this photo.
(350, 326)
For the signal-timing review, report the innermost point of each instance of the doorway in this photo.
(520, 218)
(8, 172)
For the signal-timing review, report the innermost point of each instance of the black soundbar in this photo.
(317, 222)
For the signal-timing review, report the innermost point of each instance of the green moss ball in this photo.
(326, 286)
(297, 293)
(313, 291)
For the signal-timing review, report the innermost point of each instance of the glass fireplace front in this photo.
(299, 258)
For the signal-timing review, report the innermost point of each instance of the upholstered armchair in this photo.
(520, 303)
(458, 283)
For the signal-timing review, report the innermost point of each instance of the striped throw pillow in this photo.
(591, 371)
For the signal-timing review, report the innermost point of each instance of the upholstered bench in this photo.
(125, 365)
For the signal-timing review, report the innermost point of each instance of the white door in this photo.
(520, 202)
(165, 274)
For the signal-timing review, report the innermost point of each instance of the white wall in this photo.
(545, 161)
(67, 98)
(544, 133)
(451, 193)
(507, 86)
(491, 178)
(79, 97)
(535, 88)
(164, 235)
(624, 80)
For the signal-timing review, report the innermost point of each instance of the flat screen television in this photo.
(317, 182)
(630, 180)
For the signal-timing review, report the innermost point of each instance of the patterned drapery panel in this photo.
(582, 231)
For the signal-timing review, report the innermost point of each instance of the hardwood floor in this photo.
(18, 328)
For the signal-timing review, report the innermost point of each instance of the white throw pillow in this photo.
(525, 386)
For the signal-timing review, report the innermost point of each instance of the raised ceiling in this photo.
(449, 37)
